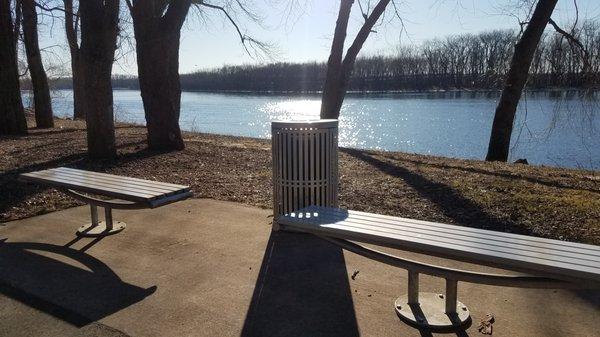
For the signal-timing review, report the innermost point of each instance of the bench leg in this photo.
(100, 228)
(430, 310)
(94, 211)
(413, 287)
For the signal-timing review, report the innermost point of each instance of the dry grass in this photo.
(540, 201)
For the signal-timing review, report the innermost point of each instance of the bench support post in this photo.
(94, 211)
(100, 228)
(430, 310)
(451, 294)
(108, 218)
(413, 287)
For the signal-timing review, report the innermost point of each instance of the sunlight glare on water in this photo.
(292, 109)
(549, 130)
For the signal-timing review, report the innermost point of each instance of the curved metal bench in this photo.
(90, 187)
(547, 263)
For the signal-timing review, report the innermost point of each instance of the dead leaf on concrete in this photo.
(485, 326)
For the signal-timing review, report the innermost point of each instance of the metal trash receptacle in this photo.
(305, 164)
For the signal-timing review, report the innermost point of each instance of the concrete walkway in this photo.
(211, 268)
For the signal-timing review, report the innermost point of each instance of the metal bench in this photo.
(129, 193)
(547, 263)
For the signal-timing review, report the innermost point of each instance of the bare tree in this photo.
(339, 67)
(12, 116)
(157, 28)
(515, 81)
(39, 80)
(99, 29)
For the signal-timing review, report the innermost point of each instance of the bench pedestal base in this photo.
(430, 312)
(100, 229)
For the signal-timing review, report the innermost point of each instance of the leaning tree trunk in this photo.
(39, 81)
(338, 70)
(516, 79)
(99, 27)
(332, 89)
(158, 71)
(12, 116)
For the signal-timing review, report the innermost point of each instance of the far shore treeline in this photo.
(466, 61)
(541, 55)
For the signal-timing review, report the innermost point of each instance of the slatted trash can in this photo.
(305, 165)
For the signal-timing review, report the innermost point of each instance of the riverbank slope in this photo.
(541, 201)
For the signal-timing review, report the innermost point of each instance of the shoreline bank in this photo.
(536, 200)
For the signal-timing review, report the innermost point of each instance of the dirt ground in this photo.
(541, 201)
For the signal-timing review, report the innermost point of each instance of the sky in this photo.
(304, 32)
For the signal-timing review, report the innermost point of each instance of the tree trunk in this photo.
(99, 27)
(12, 116)
(515, 81)
(332, 89)
(39, 81)
(157, 33)
(338, 70)
(71, 26)
(78, 86)
(158, 63)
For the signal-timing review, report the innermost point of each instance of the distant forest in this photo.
(467, 61)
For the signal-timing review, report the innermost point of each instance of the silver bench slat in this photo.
(470, 230)
(110, 188)
(483, 241)
(123, 183)
(558, 259)
(61, 177)
(88, 188)
(120, 181)
(122, 178)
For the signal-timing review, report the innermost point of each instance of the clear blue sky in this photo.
(305, 34)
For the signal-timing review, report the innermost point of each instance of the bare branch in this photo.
(248, 42)
(573, 41)
(55, 8)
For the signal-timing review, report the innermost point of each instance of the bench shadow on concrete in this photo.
(74, 287)
(302, 290)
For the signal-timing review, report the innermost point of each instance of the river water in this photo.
(551, 128)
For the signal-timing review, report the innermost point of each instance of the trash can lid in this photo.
(307, 123)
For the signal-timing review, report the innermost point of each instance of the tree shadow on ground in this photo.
(462, 210)
(46, 132)
(453, 205)
(302, 290)
(533, 180)
(73, 294)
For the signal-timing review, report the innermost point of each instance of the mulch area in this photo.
(548, 202)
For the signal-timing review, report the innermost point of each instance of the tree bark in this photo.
(12, 116)
(39, 81)
(99, 28)
(157, 38)
(516, 79)
(71, 25)
(78, 85)
(338, 70)
(331, 87)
